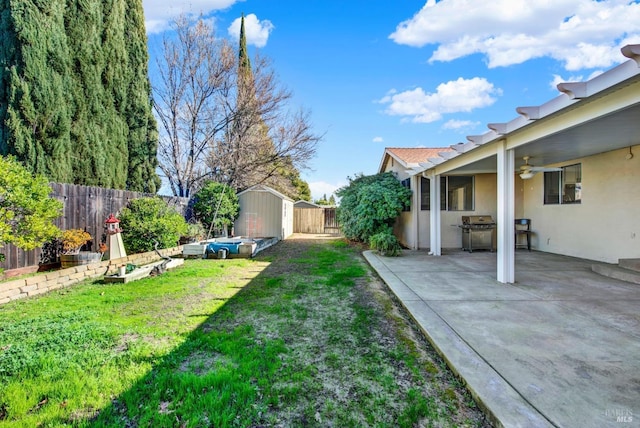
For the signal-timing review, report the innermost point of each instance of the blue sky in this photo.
(414, 73)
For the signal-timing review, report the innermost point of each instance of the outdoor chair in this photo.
(523, 227)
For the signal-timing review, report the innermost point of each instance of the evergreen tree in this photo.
(243, 55)
(34, 98)
(255, 157)
(141, 124)
(74, 96)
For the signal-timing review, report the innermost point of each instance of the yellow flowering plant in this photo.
(73, 240)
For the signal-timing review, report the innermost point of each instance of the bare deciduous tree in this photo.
(265, 142)
(223, 121)
(196, 74)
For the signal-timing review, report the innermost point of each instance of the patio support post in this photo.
(415, 212)
(506, 214)
(435, 248)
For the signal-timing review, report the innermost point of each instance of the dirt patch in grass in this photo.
(200, 363)
(357, 347)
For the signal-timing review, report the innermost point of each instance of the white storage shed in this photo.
(264, 212)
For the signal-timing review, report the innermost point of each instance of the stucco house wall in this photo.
(605, 225)
(485, 202)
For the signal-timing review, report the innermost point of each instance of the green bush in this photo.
(146, 220)
(27, 211)
(370, 205)
(209, 205)
(386, 243)
(195, 231)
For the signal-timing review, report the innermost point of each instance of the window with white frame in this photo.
(456, 193)
(563, 187)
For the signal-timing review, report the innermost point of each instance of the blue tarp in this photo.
(232, 247)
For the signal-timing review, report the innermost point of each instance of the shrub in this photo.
(26, 210)
(147, 220)
(73, 240)
(195, 231)
(386, 243)
(208, 204)
(370, 205)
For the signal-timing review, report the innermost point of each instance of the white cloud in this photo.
(580, 33)
(321, 188)
(462, 95)
(378, 140)
(257, 31)
(158, 13)
(459, 125)
(576, 78)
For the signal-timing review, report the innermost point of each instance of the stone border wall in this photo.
(48, 281)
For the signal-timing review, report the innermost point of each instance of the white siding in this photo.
(287, 219)
(264, 214)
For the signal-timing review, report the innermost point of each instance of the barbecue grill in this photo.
(478, 232)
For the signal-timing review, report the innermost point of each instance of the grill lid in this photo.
(477, 220)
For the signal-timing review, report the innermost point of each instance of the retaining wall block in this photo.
(80, 268)
(53, 275)
(19, 296)
(10, 285)
(9, 293)
(33, 280)
(38, 291)
(56, 286)
(28, 288)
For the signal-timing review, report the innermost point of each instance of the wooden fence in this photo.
(85, 208)
(315, 220)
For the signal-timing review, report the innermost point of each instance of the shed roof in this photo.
(267, 189)
(306, 204)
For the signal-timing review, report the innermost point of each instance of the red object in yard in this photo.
(112, 225)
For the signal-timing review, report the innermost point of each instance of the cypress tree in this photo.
(143, 133)
(280, 173)
(33, 99)
(244, 62)
(75, 98)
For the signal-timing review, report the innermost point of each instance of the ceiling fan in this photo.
(527, 170)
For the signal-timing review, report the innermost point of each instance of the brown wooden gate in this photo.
(308, 220)
(315, 220)
(331, 225)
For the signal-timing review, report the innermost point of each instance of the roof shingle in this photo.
(416, 155)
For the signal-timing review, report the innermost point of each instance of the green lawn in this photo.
(303, 335)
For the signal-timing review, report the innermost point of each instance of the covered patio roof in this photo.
(587, 118)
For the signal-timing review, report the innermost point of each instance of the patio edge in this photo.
(502, 404)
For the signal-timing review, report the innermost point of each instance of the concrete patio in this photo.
(560, 347)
